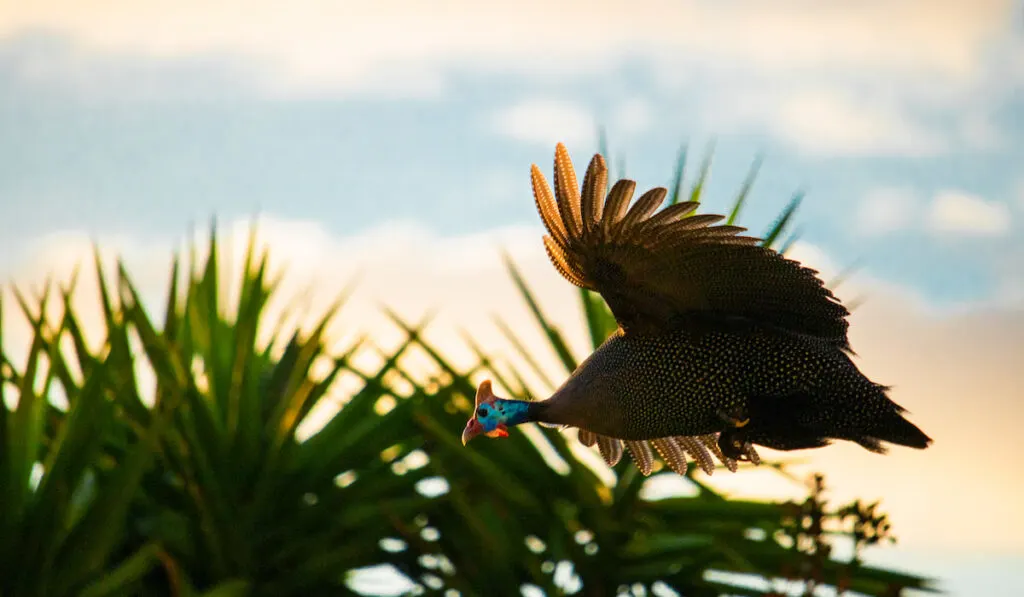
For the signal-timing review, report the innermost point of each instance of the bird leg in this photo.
(737, 418)
(732, 441)
(733, 445)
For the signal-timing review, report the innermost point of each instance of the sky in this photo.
(393, 140)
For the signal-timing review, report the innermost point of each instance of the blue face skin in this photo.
(501, 412)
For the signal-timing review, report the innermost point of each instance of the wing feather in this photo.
(710, 442)
(672, 450)
(642, 456)
(567, 268)
(671, 213)
(615, 207)
(671, 453)
(699, 453)
(643, 208)
(567, 193)
(547, 207)
(587, 438)
(595, 183)
(611, 449)
(655, 269)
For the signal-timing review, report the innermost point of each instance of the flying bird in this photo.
(722, 344)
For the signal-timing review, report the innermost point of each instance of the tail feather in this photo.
(807, 419)
(872, 444)
(896, 429)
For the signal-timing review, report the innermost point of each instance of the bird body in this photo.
(722, 343)
(685, 383)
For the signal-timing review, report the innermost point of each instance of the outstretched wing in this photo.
(659, 269)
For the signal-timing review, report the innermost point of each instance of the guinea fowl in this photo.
(722, 343)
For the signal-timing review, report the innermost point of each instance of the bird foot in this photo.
(732, 441)
(733, 445)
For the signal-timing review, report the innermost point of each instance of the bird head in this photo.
(488, 418)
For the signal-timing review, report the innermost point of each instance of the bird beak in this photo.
(473, 429)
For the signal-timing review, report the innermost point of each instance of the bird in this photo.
(722, 344)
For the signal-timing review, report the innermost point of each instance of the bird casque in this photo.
(722, 344)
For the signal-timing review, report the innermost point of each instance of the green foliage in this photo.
(212, 479)
(239, 500)
(70, 472)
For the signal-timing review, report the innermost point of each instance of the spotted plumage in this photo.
(722, 344)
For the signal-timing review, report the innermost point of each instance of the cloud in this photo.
(828, 122)
(632, 116)
(959, 212)
(875, 32)
(835, 79)
(886, 210)
(1010, 274)
(332, 44)
(979, 131)
(545, 122)
(823, 122)
(958, 373)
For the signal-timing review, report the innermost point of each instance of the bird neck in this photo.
(516, 412)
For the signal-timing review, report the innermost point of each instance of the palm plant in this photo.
(203, 483)
(70, 471)
(240, 500)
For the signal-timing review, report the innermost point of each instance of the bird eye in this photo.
(481, 412)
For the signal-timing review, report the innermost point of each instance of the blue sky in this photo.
(370, 126)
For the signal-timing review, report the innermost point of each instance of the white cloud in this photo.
(963, 213)
(980, 131)
(1007, 266)
(828, 122)
(838, 78)
(886, 210)
(343, 43)
(632, 116)
(546, 122)
(815, 257)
